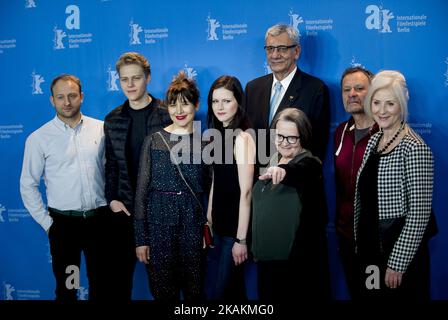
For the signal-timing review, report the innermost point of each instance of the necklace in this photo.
(390, 141)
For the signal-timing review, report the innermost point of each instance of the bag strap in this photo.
(180, 172)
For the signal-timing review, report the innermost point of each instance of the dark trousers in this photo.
(229, 282)
(296, 281)
(69, 237)
(276, 281)
(415, 284)
(350, 266)
(176, 262)
(119, 248)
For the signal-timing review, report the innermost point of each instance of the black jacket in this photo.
(305, 92)
(309, 253)
(116, 128)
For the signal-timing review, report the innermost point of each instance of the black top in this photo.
(137, 133)
(368, 223)
(309, 252)
(226, 192)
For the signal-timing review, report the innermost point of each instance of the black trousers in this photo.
(69, 237)
(276, 281)
(297, 282)
(176, 262)
(120, 257)
(415, 284)
(350, 265)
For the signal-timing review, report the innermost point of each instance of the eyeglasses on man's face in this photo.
(280, 49)
(290, 139)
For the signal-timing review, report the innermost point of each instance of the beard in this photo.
(358, 111)
(354, 109)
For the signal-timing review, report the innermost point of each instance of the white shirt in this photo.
(71, 162)
(285, 84)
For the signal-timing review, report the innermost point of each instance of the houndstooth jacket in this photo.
(405, 183)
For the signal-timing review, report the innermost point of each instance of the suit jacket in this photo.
(305, 92)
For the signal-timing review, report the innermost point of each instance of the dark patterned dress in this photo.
(169, 218)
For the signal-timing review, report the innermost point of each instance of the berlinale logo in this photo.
(378, 19)
(267, 69)
(191, 72)
(294, 20)
(59, 34)
(2, 208)
(30, 4)
(8, 290)
(134, 34)
(73, 21)
(213, 24)
(112, 80)
(35, 85)
(355, 63)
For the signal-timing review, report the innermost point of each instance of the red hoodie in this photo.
(347, 160)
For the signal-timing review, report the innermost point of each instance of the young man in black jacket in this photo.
(125, 128)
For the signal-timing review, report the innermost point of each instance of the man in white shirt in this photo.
(68, 152)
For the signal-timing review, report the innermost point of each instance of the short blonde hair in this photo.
(136, 58)
(394, 81)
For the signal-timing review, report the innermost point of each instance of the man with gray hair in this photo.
(287, 87)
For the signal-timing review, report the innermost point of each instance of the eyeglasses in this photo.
(280, 49)
(290, 139)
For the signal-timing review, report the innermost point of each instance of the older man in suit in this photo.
(288, 87)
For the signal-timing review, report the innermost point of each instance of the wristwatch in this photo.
(240, 241)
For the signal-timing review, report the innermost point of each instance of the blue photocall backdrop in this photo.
(41, 39)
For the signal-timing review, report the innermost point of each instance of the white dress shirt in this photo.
(285, 84)
(71, 162)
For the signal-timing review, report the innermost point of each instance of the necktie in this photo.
(274, 99)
